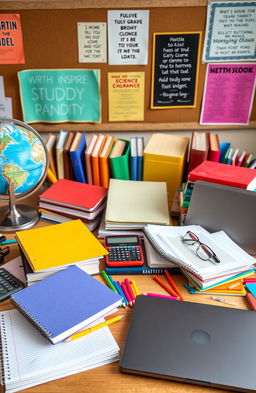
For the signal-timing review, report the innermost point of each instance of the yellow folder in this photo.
(59, 245)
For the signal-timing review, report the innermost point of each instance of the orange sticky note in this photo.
(11, 42)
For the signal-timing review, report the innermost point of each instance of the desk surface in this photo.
(108, 378)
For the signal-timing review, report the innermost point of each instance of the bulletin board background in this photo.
(50, 41)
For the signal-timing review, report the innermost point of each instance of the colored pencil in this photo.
(127, 295)
(173, 285)
(121, 291)
(163, 285)
(93, 328)
(134, 286)
(163, 296)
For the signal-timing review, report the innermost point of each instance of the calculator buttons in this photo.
(9, 284)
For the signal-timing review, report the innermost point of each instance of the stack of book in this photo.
(131, 205)
(57, 308)
(66, 200)
(46, 250)
(203, 273)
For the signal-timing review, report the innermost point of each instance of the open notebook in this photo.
(29, 359)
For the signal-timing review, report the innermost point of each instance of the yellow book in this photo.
(59, 245)
(164, 160)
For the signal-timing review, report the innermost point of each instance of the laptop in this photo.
(233, 210)
(191, 342)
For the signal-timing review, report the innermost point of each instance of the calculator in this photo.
(9, 284)
(124, 250)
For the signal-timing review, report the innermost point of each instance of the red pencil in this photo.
(163, 285)
(172, 283)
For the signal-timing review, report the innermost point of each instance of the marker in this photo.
(172, 283)
(129, 289)
(135, 288)
(127, 295)
(163, 285)
(163, 296)
(111, 286)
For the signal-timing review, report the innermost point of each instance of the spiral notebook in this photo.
(29, 359)
(65, 302)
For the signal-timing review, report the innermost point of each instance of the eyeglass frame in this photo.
(200, 244)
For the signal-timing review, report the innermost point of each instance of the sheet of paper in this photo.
(60, 95)
(126, 96)
(223, 102)
(128, 36)
(92, 42)
(6, 107)
(230, 31)
(11, 42)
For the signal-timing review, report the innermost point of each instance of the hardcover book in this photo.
(77, 151)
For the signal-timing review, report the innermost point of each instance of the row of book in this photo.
(105, 156)
(206, 146)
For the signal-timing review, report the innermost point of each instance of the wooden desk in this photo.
(108, 379)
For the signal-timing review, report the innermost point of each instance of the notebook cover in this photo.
(120, 165)
(77, 159)
(96, 159)
(216, 172)
(104, 164)
(69, 193)
(59, 245)
(59, 312)
(68, 169)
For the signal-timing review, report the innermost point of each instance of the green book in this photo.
(120, 165)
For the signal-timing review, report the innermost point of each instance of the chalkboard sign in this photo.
(175, 70)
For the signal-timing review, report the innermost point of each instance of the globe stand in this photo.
(16, 217)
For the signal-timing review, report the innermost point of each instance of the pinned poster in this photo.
(128, 37)
(126, 96)
(92, 42)
(11, 42)
(55, 96)
(5, 102)
(230, 31)
(223, 102)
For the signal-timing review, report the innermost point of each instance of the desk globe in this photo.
(23, 167)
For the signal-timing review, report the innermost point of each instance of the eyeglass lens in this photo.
(204, 252)
(190, 238)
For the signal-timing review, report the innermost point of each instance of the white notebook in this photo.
(29, 359)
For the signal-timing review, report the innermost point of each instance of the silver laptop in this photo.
(191, 342)
(233, 210)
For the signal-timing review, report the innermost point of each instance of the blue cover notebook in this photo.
(134, 158)
(140, 150)
(78, 160)
(65, 302)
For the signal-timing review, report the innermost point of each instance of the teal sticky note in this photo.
(60, 95)
(252, 288)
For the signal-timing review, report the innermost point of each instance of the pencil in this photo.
(172, 283)
(129, 289)
(163, 285)
(111, 286)
(93, 328)
(127, 295)
(134, 286)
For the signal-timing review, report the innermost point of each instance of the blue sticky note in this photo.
(252, 288)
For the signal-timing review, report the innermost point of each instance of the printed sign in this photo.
(60, 95)
(175, 70)
(92, 42)
(126, 96)
(230, 31)
(11, 43)
(128, 37)
(223, 102)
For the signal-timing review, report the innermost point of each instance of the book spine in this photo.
(143, 270)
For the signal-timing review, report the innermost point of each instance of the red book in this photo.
(229, 175)
(198, 149)
(74, 195)
(214, 147)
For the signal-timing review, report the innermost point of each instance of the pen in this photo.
(93, 328)
(218, 299)
(111, 286)
(172, 283)
(129, 289)
(11, 241)
(134, 286)
(163, 285)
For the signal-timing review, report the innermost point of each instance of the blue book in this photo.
(143, 269)
(65, 302)
(140, 151)
(77, 157)
(224, 146)
(133, 158)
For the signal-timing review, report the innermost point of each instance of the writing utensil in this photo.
(118, 291)
(219, 299)
(134, 286)
(234, 285)
(163, 296)
(11, 241)
(121, 291)
(127, 295)
(163, 285)
(173, 285)
(129, 289)
(106, 277)
(93, 328)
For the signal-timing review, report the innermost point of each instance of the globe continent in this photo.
(22, 159)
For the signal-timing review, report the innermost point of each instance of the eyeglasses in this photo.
(203, 251)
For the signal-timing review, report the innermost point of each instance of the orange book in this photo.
(104, 161)
(95, 159)
(88, 160)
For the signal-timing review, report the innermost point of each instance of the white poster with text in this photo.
(92, 42)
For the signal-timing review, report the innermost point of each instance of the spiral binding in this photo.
(46, 332)
(4, 363)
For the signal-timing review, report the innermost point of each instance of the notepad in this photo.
(28, 359)
(65, 302)
(59, 245)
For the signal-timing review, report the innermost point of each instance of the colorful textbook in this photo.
(65, 302)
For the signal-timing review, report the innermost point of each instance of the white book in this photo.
(29, 359)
